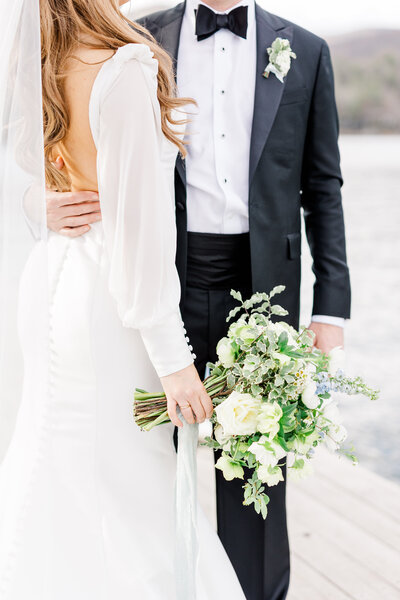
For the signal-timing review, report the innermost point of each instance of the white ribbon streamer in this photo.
(187, 549)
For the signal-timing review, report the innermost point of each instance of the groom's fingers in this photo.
(72, 210)
(75, 210)
(59, 199)
(74, 232)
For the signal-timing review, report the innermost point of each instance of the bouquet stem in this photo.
(150, 410)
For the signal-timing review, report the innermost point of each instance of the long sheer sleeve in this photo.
(137, 205)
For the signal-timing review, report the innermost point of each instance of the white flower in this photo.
(238, 414)
(222, 439)
(281, 327)
(247, 333)
(229, 468)
(300, 470)
(336, 435)
(304, 444)
(280, 58)
(331, 414)
(270, 475)
(265, 456)
(226, 353)
(290, 459)
(268, 418)
(309, 397)
(336, 360)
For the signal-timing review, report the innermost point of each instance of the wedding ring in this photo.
(185, 406)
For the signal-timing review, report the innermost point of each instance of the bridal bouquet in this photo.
(272, 393)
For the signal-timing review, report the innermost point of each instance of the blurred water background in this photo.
(371, 196)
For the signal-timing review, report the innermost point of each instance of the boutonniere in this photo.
(280, 58)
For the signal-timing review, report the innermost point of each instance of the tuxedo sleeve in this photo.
(321, 197)
(139, 212)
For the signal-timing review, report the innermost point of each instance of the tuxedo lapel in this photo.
(170, 33)
(169, 40)
(268, 93)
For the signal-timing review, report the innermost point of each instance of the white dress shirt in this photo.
(220, 74)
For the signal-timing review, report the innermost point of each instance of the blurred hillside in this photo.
(367, 73)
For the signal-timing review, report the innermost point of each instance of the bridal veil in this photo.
(22, 195)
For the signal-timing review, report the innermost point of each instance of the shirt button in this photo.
(223, 49)
(225, 181)
(222, 135)
(222, 91)
(180, 206)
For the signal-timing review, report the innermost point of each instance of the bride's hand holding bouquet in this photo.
(272, 392)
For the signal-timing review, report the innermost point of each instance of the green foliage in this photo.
(277, 369)
(254, 494)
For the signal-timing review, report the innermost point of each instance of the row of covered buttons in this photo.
(188, 341)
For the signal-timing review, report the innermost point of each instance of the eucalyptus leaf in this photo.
(278, 289)
(236, 295)
(278, 310)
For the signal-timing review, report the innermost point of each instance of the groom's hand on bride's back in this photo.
(185, 389)
(72, 213)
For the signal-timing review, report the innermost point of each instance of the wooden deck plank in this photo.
(307, 517)
(331, 562)
(358, 510)
(382, 494)
(307, 584)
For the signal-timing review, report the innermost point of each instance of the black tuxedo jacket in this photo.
(294, 164)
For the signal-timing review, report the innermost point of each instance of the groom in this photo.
(260, 150)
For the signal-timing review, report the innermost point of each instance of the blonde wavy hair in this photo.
(64, 25)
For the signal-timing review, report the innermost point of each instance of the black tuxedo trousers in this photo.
(258, 549)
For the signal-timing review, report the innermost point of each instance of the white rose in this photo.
(238, 414)
(264, 456)
(222, 439)
(300, 470)
(268, 418)
(229, 468)
(336, 360)
(281, 327)
(270, 475)
(309, 397)
(226, 353)
(331, 414)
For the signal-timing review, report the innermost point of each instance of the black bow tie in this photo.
(208, 22)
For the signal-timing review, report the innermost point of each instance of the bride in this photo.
(86, 498)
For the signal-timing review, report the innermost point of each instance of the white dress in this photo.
(86, 498)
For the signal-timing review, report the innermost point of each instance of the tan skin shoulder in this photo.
(83, 66)
(77, 150)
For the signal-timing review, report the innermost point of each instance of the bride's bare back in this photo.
(77, 149)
